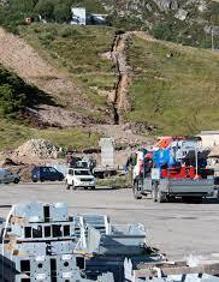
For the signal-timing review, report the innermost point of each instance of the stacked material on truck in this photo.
(163, 142)
(175, 168)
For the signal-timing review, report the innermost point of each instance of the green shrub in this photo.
(45, 8)
(62, 13)
(10, 101)
(15, 94)
(68, 31)
(163, 31)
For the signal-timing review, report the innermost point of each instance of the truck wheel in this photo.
(170, 198)
(154, 195)
(161, 197)
(157, 195)
(154, 192)
(137, 194)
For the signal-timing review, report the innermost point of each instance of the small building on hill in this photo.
(81, 17)
(78, 16)
(209, 139)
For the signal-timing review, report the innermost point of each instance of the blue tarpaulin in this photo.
(163, 157)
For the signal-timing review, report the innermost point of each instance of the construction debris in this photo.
(38, 148)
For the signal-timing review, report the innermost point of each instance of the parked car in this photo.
(77, 178)
(46, 173)
(7, 177)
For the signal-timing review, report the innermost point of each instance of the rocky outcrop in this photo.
(142, 8)
(165, 5)
(181, 14)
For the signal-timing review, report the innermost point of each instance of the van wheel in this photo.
(16, 181)
(67, 186)
(73, 186)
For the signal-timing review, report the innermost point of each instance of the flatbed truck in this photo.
(164, 190)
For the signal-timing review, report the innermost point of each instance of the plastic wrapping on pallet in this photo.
(121, 240)
(38, 212)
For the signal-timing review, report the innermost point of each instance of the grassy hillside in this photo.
(163, 21)
(159, 18)
(15, 95)
(79, 51)
(15, 11)
(14, 134)
(175, 88)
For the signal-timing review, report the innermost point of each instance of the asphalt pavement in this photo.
(177, 229)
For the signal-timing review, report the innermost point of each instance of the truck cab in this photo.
(79, 178)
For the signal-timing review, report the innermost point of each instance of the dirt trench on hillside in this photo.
(16, 55)
(120, 100)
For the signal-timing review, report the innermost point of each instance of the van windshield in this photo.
(82, 172)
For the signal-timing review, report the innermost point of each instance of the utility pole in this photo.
(196, 160)
(212, 38)
(212, 33)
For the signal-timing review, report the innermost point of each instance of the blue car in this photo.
(46, 173)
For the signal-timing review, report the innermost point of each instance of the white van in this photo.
(7, 177)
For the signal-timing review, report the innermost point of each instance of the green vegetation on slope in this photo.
(175, 88)
(127, 15)
(76, 138)
(14, 134)
(183, 33)
(15, 95)
(78, 50)
(15, 12)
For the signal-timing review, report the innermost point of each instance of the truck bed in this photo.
(184, 187)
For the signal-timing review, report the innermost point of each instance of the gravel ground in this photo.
(177, 229)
